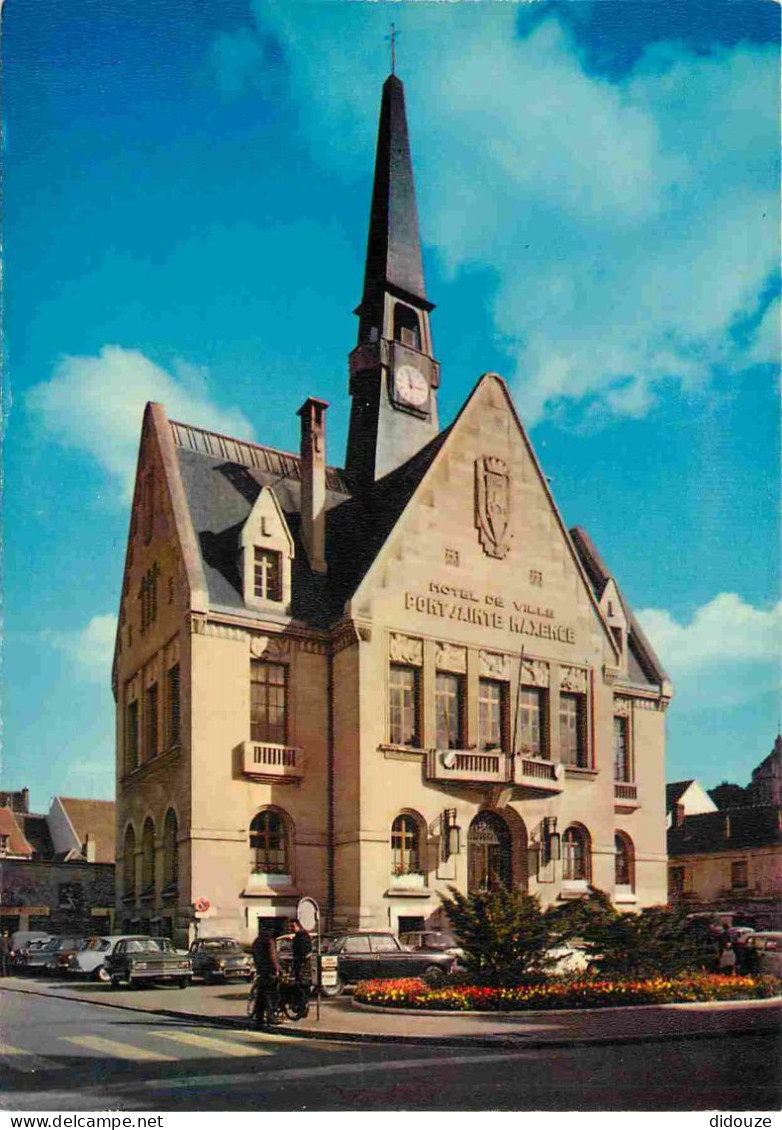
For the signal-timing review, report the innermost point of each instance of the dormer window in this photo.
(266, 555)
(268, 574)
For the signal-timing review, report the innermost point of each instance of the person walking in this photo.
(267, 974)
(301, 948)
(5, 954)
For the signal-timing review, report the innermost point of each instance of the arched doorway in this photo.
(489, 863)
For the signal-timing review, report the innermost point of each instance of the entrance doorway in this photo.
(488, 854)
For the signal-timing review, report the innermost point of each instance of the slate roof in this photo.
(97, 818)
(732, 829)
(643, 666)
(222, 478)
(18, 843)
(393, 258)
(675, 791)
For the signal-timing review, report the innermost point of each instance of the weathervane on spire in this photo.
(392, 38)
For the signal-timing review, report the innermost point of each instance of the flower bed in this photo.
(413, 993)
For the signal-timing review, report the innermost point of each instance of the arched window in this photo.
(129, 863)
(148, 857)
(170, 852)
(576, 855)
(269, 843)
(488, 853)
(405, 845)
(406, 326)
(624, 861)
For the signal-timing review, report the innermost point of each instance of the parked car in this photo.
(33, 958)
(431, 941)
(140, 958)
(89, 961)
(60, 955)
(365, 955)
(23, 939)
(220, 959)
(22, 952)
(762, 953)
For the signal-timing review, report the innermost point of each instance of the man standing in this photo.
(267, 972)
(301, 948)
(5, 954)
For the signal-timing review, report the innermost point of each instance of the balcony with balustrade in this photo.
(625, 796)
(268, 761)
(468, 766)
(537, 774)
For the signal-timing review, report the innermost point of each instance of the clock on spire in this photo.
(393, 374)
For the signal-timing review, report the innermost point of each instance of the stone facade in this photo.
(388, 682)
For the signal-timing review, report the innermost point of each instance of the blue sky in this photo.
(186, 199)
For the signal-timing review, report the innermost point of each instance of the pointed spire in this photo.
(394, 247)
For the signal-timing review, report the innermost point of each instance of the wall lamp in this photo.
(551, 839)
(451, 833)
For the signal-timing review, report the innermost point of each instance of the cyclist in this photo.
(267, 973)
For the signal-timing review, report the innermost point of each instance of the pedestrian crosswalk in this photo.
(159, 1045)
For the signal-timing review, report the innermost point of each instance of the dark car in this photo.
(144, 959)
(57, 961)
(220, 959)
(366, 955)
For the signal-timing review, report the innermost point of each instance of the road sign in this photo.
(307, 913)
(200, 905)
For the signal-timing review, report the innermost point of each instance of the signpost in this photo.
(308, 913)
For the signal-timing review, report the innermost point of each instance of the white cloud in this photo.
(95, 404)
(727, 630)
(91, 648)
(631, 224)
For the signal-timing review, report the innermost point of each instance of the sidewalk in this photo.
(341, 1020)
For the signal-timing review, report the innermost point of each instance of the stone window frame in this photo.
(261, 727)
(627, 852)
(259, 841)
(485, 710)
(397, 730)
(576, 860)
(408, 844)
(442, 695)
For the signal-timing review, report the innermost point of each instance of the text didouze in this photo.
(488, 610)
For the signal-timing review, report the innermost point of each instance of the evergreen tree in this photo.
(505, 935)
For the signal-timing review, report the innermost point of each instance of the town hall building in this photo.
(371, 682)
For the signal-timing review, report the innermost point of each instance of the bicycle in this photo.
(290, 999)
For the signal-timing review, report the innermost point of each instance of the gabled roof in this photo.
(642, 663)
(95, 818)
(675, 791)
(18, 844)
(729, 830)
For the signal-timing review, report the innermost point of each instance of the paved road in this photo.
(65, 1055)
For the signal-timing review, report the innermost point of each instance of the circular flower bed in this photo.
(413, 993)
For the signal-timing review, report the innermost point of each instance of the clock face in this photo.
(411, 386)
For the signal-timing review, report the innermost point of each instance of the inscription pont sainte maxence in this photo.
(488, 610)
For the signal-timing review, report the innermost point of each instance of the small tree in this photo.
(659, 940)
(581, 917)
(505, 935)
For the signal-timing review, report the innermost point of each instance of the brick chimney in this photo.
(90, 847)
(678, 815)
(313, 481)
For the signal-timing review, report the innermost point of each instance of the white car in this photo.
(763, 952)
(88, 962)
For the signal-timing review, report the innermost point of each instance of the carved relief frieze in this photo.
(404, 649)
(660, 704)
(449, 657)
(492, 505)
(573, 679)
(494, 665)
(312, 647)
(535, 673)
(623, 707)
(275, 649)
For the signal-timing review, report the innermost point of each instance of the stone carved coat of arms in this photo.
(492, 505)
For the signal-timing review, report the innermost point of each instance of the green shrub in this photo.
(505, 935)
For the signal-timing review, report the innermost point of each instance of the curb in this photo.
(523, 1013)
(499, 1040)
